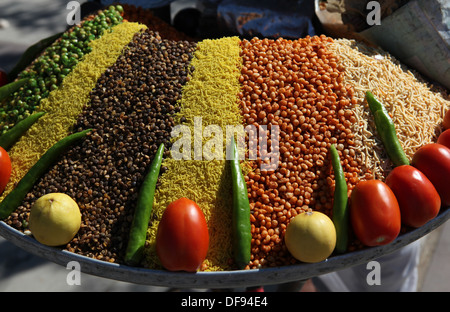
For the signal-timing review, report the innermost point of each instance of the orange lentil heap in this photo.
(297, 85)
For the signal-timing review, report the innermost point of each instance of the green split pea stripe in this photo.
(64, 104)
(46, 64)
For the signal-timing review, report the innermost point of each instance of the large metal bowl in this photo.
(223, 279)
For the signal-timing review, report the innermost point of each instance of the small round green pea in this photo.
(65, 71)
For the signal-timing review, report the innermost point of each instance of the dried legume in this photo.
(48, 71)
(64, 105)
(296, 85)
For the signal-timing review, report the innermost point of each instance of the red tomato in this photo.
(5, 169)
(444, 138)
(374, 213)
(433, 160)
(446, 121)
(182, 239)
(417, 198)
(3, 78)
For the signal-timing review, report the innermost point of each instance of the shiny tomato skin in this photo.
(417, 198)
(444, 138)
(5, 169)
(374, 213)
(182, 238)
(446, 121)
(433, 160)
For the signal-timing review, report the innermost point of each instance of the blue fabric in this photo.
(268, 18)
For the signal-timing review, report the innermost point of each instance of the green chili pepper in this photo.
(340, 207)
(386, 131)
(16, 196)
(11, 87)
(143, 211)
(9, 138)
(241, 226)
(32, 53)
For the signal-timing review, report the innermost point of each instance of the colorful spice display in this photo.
(139, 88)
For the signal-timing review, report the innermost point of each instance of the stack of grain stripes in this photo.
(134, 87)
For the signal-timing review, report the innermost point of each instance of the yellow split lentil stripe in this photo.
(211, 93)
(63, 105)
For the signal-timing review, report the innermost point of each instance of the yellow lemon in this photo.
(310, 237)
(54, 219)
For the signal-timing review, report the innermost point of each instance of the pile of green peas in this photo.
(48, 71)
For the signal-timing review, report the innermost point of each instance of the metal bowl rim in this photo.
(216, 279)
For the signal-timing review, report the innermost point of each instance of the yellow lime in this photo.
(54, 219)
(310, 237)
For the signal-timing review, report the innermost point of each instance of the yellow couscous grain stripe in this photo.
(211, 94)
(63, 105)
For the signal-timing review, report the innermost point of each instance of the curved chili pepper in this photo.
(340, 202)
(11, 87)
(143, 211)
(9, 138)
(386, 131)
(241, 226)
(32, 53)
